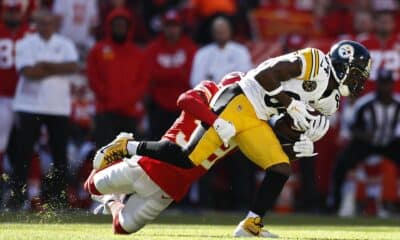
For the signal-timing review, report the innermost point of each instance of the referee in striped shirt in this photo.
(375, 129)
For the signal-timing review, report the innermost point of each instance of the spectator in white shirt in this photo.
(223, 56)
(77, 19)
(44, 61)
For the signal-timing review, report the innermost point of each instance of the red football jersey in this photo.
(384, 55)
(9, 76)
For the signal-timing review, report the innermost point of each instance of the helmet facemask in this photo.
(351, 78)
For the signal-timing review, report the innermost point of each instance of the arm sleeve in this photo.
(195, 103)
(23, 55)
(70, 54)
(198, 69)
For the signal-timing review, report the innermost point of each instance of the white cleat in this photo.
(252, 227)
(114, 151)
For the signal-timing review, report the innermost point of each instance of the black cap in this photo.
(384, 76)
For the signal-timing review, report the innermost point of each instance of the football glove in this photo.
(225, 130)
(318, 128)
(328, 105)
(304, 147)
(297, 110)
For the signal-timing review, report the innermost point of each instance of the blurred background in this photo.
(131, 73)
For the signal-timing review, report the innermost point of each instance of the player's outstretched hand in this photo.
(304, 147)
(318, 128)
(297, 110)
(225, 130)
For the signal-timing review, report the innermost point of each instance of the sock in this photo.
(165, 151)
(251, 214)
(132, 147)
(117, 227)
(268, 192)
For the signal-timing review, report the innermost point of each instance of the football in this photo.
(286, 130)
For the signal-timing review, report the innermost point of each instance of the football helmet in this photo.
(350, 64)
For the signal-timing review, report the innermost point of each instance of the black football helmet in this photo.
(350, 65)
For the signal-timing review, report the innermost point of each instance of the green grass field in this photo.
(192, 227)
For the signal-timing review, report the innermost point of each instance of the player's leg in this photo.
(118, 178)
(262, 147)
(121, 178)
(27, 132)
(137, 211)
(57, 127)
(205, 141)
(354, 153)
(164, 149)
(392, 151)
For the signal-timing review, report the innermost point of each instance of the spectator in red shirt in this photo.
(170, 56)
(12, 28)
(117, 76)
(383, 45)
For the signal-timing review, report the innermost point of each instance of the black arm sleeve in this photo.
(358, 123)
(165, 151)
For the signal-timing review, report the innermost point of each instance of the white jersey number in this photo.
(6, 53)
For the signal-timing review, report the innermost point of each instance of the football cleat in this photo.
(116, 150)
(252, 227)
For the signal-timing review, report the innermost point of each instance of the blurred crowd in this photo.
(85, 70)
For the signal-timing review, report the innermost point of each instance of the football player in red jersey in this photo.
(156, 184)
(167, 182)
(12, 28)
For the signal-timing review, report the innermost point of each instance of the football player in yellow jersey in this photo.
(290, 83)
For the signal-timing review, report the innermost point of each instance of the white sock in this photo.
(252, 215)
(132, 147)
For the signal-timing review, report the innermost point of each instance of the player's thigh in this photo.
(6, 121)
(118, 178)
(238, 111)
(261, 146)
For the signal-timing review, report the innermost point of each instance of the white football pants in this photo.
(147, 200)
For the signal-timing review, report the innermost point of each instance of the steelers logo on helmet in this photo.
(346, 51)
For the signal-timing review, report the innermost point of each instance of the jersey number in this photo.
(6, 53)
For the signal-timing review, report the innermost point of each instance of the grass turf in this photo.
(81, 226)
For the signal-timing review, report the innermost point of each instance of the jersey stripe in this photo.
(316, 70)
(307, 53)
(312, 73)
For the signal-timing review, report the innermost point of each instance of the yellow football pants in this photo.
(254, 137)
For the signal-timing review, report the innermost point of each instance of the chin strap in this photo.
(343, 89)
